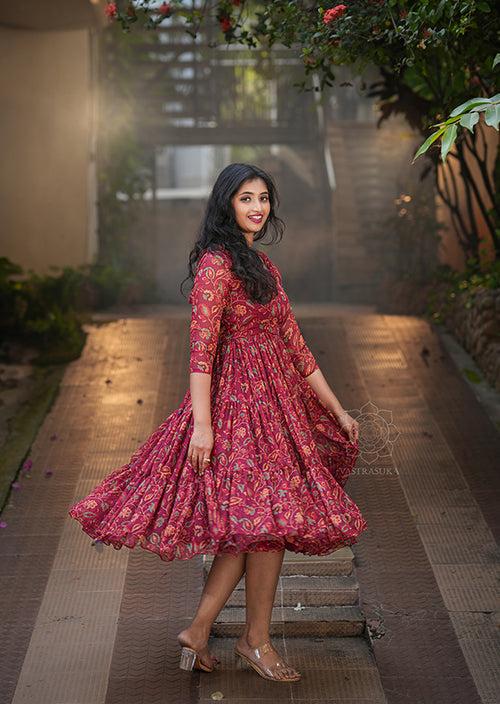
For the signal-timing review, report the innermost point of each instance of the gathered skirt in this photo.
(275, 481)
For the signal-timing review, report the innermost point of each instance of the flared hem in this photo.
(234, 544)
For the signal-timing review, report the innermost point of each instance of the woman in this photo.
(255, 458)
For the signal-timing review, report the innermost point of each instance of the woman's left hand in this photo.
(348, 424)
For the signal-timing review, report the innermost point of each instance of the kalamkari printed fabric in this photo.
(279, 462)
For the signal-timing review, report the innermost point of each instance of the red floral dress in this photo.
(279, 460)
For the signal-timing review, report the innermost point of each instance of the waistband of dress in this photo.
(249, 333)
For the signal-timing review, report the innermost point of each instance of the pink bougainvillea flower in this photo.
(333, 13)
(165, 9)
(16, 485)
(3, 524)
(48, 472)
(111, 10)
(27, 465)
(225, 24)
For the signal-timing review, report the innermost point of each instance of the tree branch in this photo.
(482, 163)
(460, 229)
(467, 175)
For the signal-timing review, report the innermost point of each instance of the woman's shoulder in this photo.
(218, 258)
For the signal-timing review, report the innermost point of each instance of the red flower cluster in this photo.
(111, 10)
(333, 13)
(165, 9)
(225, 24)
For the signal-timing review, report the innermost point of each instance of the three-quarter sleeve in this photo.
(208, 298)
(303, 359)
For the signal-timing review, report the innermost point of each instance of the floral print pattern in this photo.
(280, 459)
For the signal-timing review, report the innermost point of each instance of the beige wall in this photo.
(47, 177)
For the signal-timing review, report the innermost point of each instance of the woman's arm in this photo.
(208, 298)
(307, 366)
(303, 358)
(320, 386)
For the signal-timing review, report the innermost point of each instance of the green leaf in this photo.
(492, 116)
(469, 105)
(471, 375)
(449, 121)
(449, 136)
(430, 140)
(496, 60)
(469, 120)
(483, 6)
(481, 108)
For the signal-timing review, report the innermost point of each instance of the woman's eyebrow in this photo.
(252, 192)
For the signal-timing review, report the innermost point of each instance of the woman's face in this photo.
(251, 206)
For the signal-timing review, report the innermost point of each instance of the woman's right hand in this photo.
(200, 447)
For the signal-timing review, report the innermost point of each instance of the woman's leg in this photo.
(261, 579)
(225, 573)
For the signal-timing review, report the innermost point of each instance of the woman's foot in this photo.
(197, 640)
(268, 659)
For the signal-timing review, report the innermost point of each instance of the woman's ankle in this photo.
(254, 638)
(202, 630)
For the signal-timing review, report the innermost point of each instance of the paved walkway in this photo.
(91, 626)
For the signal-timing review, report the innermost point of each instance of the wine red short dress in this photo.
(279, 460)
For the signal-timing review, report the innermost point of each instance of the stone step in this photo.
(333, 669)
(339, 562)
(313, 621)
(333, 590)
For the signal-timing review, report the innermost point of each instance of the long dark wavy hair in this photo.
(220, 231)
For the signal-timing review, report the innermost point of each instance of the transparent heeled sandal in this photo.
(190, 660)
(264, 670)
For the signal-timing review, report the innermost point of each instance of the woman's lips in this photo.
(256, 218)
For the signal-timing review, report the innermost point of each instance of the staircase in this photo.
(316, 596)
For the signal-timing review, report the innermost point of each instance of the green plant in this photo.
(467, 116)
(39, 311)
(124, 168)
(432, 56)
(449, 284)
(48, 311)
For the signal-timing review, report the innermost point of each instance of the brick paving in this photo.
(91, 626)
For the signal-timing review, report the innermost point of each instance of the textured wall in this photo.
(46, 179)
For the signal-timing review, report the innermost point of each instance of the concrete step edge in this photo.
(310, 621)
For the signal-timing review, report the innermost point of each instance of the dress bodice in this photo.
(221, 310)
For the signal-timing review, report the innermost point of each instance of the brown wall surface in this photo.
(451, 252)
(47, 208)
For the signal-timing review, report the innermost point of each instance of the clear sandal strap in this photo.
(270, 669)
